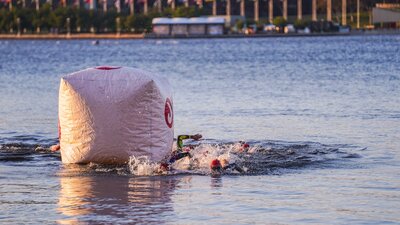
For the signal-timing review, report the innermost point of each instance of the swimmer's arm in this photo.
(180, 140)
(183, 137)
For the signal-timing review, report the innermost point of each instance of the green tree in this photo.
(186, 12)
(25, 15)
(6, 20)
(300, 24)
(240, 24)
(279, 21)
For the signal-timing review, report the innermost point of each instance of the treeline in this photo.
(64, 19)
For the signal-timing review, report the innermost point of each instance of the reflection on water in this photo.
(314, 94)
(216, 182)
(115, 198)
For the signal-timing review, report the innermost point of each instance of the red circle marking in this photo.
(169, 113)
(108, 67)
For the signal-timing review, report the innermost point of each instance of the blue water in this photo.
(324, 111)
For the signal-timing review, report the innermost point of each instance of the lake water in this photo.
(322, 115)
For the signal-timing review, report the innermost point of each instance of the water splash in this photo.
(261, 157)
(142, 166)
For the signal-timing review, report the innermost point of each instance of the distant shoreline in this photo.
(153, 36)
(70, 37)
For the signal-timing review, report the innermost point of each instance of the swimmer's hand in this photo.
(196, 137)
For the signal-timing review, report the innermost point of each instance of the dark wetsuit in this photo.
(233, 166)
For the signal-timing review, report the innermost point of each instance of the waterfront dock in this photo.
(153, 36)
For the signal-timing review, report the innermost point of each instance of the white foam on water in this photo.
(142, 166)
(198, 163)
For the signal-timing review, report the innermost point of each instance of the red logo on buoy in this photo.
(108, 67)
(169, 113)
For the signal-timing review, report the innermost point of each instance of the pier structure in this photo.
(242, 8)
(300, 9)
(314, 10)
(159, 6)
(145, 7)
(256, 10)
(104, 2)
(173, 4)
(214, 7)
(258, 4)
(329, 10)
(228, 7)
(132, 7)
(344, 14)
(271, 11)
(284, 9)
(285, 5)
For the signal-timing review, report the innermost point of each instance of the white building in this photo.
(188, 26)
(387, 14)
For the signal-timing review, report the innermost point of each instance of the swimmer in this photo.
(244, 147)
(183, 151)
(230, 166)
(216, 167)
(179, 141)
(219, 166)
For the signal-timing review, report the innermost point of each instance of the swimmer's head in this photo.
(215, 166)
(243, 146)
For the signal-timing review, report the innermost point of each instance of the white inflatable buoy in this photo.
(107, 114)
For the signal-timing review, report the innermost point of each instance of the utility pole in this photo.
(329, 10)
(285, 9)
(145, 7)
(118, 5)
(132, 7)
(228, 7)
(242, 8)
(37, 9)
(159, 6)
(299, 10)
(18, 26)
(314, 10)
(358, 14)
(173, 4)
(105, 5)
(214, 8)
(256, 10)
(344, 13)
(68, 28)
(118, 23)
(271, 11)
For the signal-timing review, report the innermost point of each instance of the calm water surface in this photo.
(324, 111)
